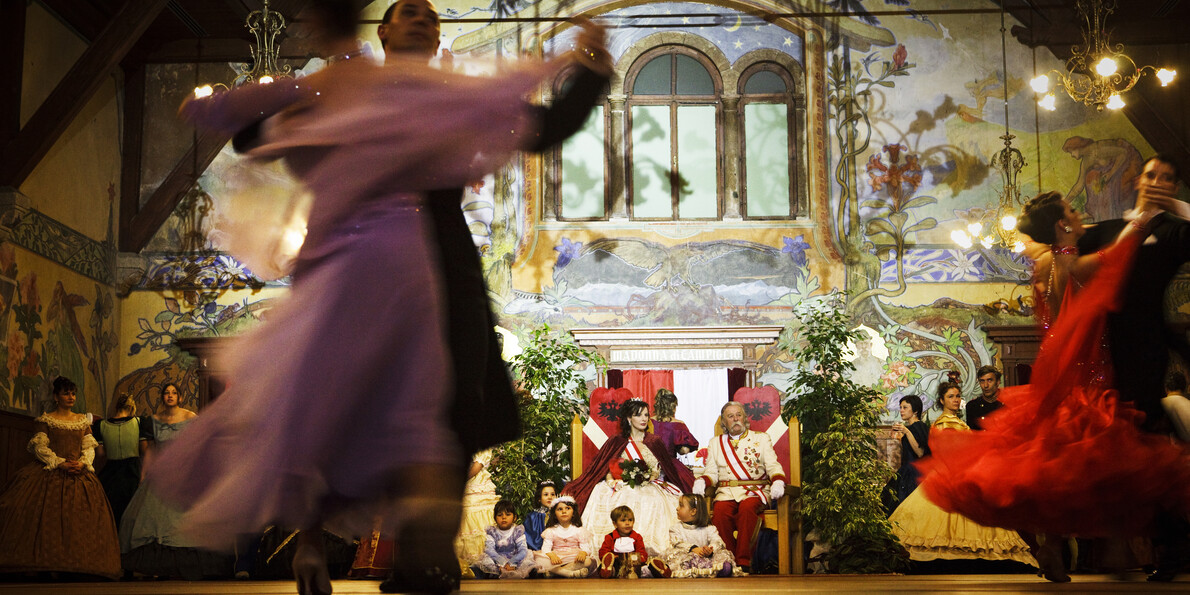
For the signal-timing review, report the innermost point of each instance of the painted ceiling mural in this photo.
(897, 118)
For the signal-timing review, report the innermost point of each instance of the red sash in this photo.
(737, 468)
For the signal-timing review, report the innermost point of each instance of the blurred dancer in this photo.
(355, 348)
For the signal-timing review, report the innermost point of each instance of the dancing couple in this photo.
(1066, 454)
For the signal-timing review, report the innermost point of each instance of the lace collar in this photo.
(58, 424)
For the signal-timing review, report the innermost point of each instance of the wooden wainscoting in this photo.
(15, 431)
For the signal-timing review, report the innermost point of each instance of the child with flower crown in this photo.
(566, 548)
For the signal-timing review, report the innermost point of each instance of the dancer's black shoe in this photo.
(431, 580)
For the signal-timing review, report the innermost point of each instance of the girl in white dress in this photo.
(695, 548)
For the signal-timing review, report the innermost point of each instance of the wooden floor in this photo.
(972, 583)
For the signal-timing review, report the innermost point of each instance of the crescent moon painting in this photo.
(738, 22)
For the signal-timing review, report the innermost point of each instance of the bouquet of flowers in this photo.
(634, 473)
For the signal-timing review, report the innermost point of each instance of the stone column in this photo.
(616, 173)
(732, 172)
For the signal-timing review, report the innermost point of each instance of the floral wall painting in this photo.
(154, 321)
(60, 332)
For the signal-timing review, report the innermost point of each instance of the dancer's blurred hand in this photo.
(590, 46)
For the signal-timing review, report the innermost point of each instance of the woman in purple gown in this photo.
(673, 432)
(336, 411)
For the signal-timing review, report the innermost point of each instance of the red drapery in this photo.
(644, 383)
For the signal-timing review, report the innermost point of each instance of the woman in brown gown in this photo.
(54, 516)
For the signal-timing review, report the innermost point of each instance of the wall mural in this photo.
(900, 117)
(911, 126)
(54, 323)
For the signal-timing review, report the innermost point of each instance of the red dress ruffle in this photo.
(1064, 455)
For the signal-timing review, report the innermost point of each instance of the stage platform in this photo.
(970, 583)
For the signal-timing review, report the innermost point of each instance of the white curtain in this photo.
(701, 393)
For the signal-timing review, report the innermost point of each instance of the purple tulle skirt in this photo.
(344, 384)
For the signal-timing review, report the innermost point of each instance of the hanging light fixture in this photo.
(265, 25)
(1001, 230)
(1097, 72)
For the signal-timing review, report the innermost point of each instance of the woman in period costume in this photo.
(479, 496)
(601, 487)
(123, 440)
(54, 516)
(931, 533)
(915, 444)
(151, 542)
(673, 432)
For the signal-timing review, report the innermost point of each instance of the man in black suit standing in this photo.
(1138, 337)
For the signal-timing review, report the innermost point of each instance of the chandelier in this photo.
(1097, 72)
(1001, 230)
(265, 25)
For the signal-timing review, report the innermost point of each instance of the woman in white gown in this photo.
(602, 487)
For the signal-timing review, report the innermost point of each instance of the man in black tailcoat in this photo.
(1138, 337)
(484, 411)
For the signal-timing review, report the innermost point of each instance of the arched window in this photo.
(582, 167)
(767, 138)
(672, 105)
(668, 140)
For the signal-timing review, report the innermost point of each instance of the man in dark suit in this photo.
(1137, 333)
(484, 410)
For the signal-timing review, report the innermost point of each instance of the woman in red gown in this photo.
(1064, 456)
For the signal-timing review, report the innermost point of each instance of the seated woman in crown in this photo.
(606, 484)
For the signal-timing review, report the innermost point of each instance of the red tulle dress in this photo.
(1064, 456)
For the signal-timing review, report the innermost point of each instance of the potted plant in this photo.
(843, 473)
(553, 392)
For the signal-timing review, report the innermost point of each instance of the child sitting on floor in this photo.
(623, 554)
(535, 522)
(566, 549)
(696, 550)
(505, 554)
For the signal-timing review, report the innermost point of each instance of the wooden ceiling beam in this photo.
(12, 63)
(84, 17)
(1156, 131)
(22, 153)
(1130, 34)
(138, 226)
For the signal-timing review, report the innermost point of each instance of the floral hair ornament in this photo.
(564, 499)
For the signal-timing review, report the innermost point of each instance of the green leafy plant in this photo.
(554, 392)
(843, 471)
